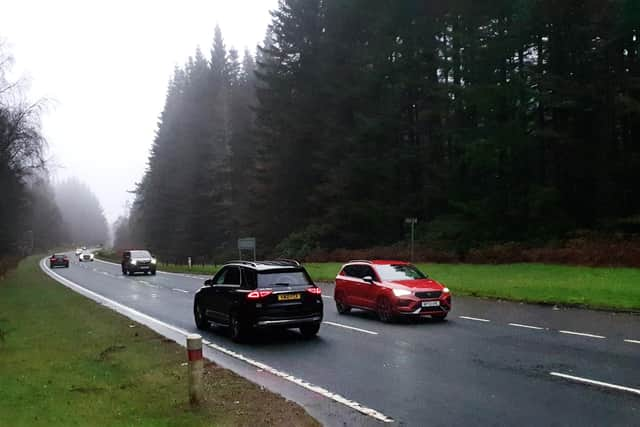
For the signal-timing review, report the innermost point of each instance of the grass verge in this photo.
(65, 361)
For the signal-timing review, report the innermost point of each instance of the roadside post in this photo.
(196, 368)
(413, 222)
(189, 262)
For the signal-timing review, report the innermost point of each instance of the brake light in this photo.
(315, 291)
(259, 294)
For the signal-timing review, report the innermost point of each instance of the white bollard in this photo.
(196, 368)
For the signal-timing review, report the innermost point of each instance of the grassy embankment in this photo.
(65, 360)
(594, 287)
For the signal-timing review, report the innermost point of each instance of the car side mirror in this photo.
(368, 279)
(208, 282)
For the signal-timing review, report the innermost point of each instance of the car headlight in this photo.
(446, 290)
(153, 261)
(401, 292)
(134, 262)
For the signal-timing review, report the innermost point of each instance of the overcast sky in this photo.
(105, 66)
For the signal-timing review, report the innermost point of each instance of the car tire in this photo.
(237, 330)
(385, 310)
(198, 316)
(342, 308)
(129, 272)
(124, 271)
(310, 331)
(153, 272)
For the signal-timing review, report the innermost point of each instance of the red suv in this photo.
(391, 289)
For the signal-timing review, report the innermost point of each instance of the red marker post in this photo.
(196, 368)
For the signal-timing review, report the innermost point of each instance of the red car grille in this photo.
(429, 294)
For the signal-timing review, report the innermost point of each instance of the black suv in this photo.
(245, 295)
(138, 261)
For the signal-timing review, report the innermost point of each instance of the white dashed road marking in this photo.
(582, 334)
(474, 318)
(596, 383)
(136, 314)
(351, 327)
(632, 341)
(180, 290)
(327, 296)
(519, 325)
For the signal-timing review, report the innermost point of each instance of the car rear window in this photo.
(274, 278)
(393, 272)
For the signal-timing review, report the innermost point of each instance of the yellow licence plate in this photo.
(288, 297)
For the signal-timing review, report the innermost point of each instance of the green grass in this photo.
(605, 288)
(65, 361)
(593, 287)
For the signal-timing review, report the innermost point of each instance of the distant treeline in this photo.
(509, 120)
(29, 217)
(35, 216)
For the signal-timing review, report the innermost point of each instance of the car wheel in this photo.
(153, 272)
(385, 310)
(198, 315)
(342, 308)
(310, 331)
(236, 329)
(129, 272)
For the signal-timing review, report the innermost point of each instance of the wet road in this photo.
(491, 363)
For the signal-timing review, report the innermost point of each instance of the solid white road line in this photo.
(598, 383)
(327, 296)
(582, 334)
(180, 290)
(474, 318)
(350, 327)
(128, 311)
(519, 325)
(632, 341)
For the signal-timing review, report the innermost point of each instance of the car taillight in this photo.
(259, 294)
(315, 291)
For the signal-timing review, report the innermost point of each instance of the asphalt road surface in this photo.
(490, 363)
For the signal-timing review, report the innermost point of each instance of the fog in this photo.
(104, 67)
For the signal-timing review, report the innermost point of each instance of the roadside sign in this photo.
(247, 244)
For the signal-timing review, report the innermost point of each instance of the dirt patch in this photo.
(86, 390)
(104, 354)
(232, 393)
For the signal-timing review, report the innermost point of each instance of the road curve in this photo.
(491, 363)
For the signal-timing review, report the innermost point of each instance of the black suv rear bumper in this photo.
(288, 323)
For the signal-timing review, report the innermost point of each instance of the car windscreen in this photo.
(140, 254)
(275, 278)
(58, 257)
(394, 272)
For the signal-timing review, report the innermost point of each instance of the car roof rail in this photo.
(290, 261)
(361, 260)
(239, 261)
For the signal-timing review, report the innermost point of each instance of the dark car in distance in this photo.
(245, 296)
(58, 260)
(138, 261)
